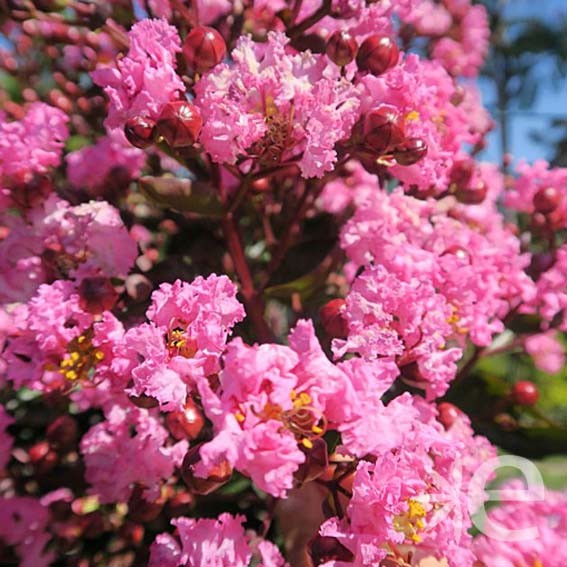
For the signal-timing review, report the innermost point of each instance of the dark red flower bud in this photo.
(63, 432)
(333, 319)
(142, 510)
(546, 200)
(203, 48)
(377, 54)
(140, 131)
(219, 475)
(541, 262)
(179, 123)
(42, 457)
(185, 424)
(341, 48)
(97, 294)
(324, 548)
(410, 151)
(448, 414)
(472, 195)
(458, 95)
(524, 393)
(462, 172)
(383, 129)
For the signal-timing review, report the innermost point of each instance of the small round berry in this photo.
(97, 294)
(410, 151)
(180, 124)
(203, 48)
(341, 48)
(333, 319)
(140, 131)
(546, 200)
(383, 129)
(448, 414)
(524, 393)
(472, 195)
(377, 54)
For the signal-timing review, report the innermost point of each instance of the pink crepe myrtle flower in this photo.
(5, 438)
(144, 80)
(111, 154)
(189, 324)
(464, 56)
(23, 525)
(547, 351)
(129, 447)
(56, 344)
(273, 104)
(479, 270)
(550, 299)
(221, 542)
(57, 240)
(548, 517)
(422, 93)
(401, 500)
(406, 321)
(32, 144)
(531, 179)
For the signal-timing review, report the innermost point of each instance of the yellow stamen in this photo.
(239, 417)
(317, 430)
(412, 116)
(307, 443)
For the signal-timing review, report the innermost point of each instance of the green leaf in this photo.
(181, 195)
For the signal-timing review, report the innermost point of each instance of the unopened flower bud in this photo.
(448, 414)
(63, 432)
(187, 423)
(341, 48)
(219, 474)
(410, 151)
(333, 319)
(97, 294)
(142, 510)
(541, 262)
(323, 548)
(180, 124)
(524, 393)
(143, 401)
(203, 48)
(546, 200)
(377, 54)
(140, 131)
(383, 129)
(472, 195)
(461, 173)
(43, 458)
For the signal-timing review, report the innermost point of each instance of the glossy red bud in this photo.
(410, 151)
(524, 393)
(472, 195)
(179, 123)
(546, 200)
(203, 48)
(97, 294)
(187, 423)
(341, 48)
(140, 131)
(377, 54)
(462, 172)
(448, 414)
(383, 129)
(333, 319)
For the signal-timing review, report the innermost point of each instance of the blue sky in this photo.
(551, 100)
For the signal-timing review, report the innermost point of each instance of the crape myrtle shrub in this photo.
(252, 280)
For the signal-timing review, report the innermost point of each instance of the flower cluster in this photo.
(250, 272)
